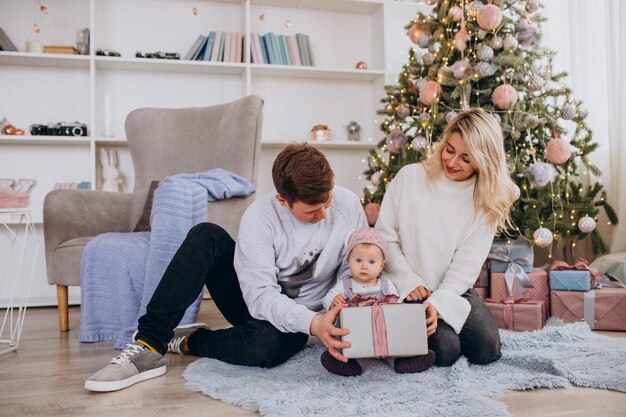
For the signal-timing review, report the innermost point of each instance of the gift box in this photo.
(540, 291)
(483, 293)
(521, 315)
(571, 280)
(602, 309)
(403, 330)
(482, 281)
(504, 255)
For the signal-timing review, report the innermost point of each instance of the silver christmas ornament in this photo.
(450, 115)
(420, 142)
(522, 25)
(535, 82)
(497, 117)
(375, 178)
(485, 69)
(568, 111)
(371, 163)
(531, 121)
(485, 53)
(435, 47)
(424, 117)
(396, 140)
(516, 191)
(582, 112)
(495, 42)
(543, 237)
(403, 111)
(423, 40)
(531, 6)
(528, 37)
(428, 59)
(419, 83)
(510, 43)
(586, 224)
(541, 174)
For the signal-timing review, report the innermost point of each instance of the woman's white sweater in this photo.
(436, 239)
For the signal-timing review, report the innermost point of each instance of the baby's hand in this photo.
(338, 300)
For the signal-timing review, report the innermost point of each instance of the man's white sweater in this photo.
(436, 239)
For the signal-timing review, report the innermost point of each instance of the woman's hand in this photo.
(420, 293)
(339, 299)
(431, 318)
(323, 327)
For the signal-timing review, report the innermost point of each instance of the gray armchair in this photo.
(162, 142)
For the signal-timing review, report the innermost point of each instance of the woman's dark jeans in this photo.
(479, 340)
(206, 258)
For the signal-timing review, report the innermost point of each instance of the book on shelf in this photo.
(228, 45)
(284, 49)
(198, 54)
(216, 47)
(194, 48)
(254, 52)
(305, 49)
(5, 42)
(209, 47)
(60, 49)
(294, 52)
(269, 48)
(220, 55)
(239, 49)
(277, 52)
(261, 47)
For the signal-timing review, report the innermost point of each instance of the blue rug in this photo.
(554, 357)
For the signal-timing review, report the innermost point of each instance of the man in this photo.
(269, 286)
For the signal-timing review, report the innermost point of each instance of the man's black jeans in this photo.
(206, 258)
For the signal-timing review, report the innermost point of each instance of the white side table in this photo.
(16, 273)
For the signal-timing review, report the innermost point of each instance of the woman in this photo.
(439, 219)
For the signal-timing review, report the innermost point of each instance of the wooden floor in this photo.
(45, 377)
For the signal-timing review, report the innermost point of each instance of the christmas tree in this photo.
(488, 55)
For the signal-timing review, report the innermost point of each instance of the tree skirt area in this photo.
(554, 357)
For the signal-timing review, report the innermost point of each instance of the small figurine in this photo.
(111, 176)
(354, 131)
(320, 133)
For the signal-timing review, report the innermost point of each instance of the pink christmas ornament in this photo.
(455, 13)
(543, 237)
(371, 213)
(415, 32)
(429, 91)
(460, 39)
(558, 151)
(504, 96)
(489, 17)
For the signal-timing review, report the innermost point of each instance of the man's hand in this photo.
(431, 318)
(338, 300)
(323, 327)
(420, 293)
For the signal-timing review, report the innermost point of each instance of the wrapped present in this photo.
(602, 309)
(577, 277)
(384, 330)
(482, 281)
(517, 314)
(483, 293)
(505, 256)
(501, 288)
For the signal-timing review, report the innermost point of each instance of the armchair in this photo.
(162, 142)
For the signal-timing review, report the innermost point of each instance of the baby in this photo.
(366, 253)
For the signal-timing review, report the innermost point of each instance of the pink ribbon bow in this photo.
(580, 265)
(379, 328)
(507, 311)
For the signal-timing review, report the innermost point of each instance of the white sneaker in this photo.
(134, 364)
(181, 333)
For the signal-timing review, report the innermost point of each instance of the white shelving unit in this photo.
(40, 88)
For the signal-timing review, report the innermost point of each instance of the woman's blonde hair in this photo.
(494, 190)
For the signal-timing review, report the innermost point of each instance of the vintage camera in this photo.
(158, 55)
(73, 129)
(107, 52)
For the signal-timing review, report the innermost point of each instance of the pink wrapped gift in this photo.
(482, 281)
(602, 309)
(515, 314)
(540, 291)
(482, 293)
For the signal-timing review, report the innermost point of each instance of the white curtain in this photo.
(596, 63)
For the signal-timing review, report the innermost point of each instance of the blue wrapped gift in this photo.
(571, 280)
(503, 253)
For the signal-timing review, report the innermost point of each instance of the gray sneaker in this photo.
(181, 333)
(134, 364)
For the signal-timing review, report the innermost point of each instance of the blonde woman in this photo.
(439, 218)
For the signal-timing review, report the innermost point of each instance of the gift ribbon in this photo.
(580, 265)
(379, 327)
(589, 308)
(514, 268)
(507, 311)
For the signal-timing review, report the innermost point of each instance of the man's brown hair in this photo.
(302, 173)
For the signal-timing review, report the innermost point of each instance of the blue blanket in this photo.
(120, 271)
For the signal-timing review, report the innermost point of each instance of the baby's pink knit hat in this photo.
(366, 235)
